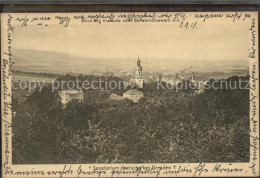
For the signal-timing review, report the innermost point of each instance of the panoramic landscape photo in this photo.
(130, 93)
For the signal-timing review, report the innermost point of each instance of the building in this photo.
(133, 95)
(198, 86)
(138, 80)
(201, 87)
(69, 95)
(138, 75)
(114, 96)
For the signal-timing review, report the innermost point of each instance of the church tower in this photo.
(138, 74)
(138, 71)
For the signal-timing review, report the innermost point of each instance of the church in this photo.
(138, 80)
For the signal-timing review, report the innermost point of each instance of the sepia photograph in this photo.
(130, 88)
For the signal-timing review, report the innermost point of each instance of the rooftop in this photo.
(132, 92)
(116, 97)
(71, 91)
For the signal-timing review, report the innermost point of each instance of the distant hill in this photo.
(54, 62)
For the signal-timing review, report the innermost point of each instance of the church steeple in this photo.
(138, 61)
(139, 81)
(138, 71)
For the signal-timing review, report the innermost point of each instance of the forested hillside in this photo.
(165, 126)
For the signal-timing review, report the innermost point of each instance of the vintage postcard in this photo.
(130, 94)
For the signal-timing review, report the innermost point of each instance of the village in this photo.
(134, 94)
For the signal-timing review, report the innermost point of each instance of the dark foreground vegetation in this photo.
(165, 126)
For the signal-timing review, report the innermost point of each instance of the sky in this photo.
(155, 43)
